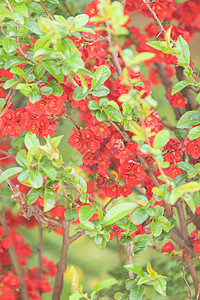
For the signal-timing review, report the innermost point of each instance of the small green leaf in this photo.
(49, 199)
(190, 187)
(156, 228)
(160, 286)
(35, 179)
(2, 102)
(41, 43)
(101, 91)
(136, 269)
(9, 83)
(93, 105)
(165, 224)
(117, 212)
(103, 284)
(100, 76)
(54, 69)
(9, 172)
(50, 171)
(175, 194)
(194, 133)
(113, 114)
(21, 9)
(139, 216)
(182, 52)
(9, 45)
(71, 215)
(161, 139)
(32, 196)
(81, 20)
(189, 119)
(179, 86)
(142, 57)
(141, 240)
(137, 293)
(85, 213)
(180, 134)
(13, 61)
(79, 94)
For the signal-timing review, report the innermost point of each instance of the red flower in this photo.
(197, 246)
(113, 190)
(193, 149)
(168, 247)
(198, 210)
(126, 190)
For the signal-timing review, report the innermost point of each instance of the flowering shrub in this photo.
(59, 65)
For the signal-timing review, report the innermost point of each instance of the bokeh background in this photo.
(91, 263)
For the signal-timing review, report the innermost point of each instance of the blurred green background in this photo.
(92, 264)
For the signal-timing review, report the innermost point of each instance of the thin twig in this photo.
(68, 9)
(14, 260)
(189, 288)
(46, 11)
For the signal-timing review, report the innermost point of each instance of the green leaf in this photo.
(194, 133)
(179, 86)
(9, 45)
(161, 45)
(93, 105)
(41, 43)
(100, 115)
(54, 69)
(13, 61)
(50, 171)
(182, 52)
(113, 114)
(117, 212)
(139, 216)
(141, 240)
(35, 179)
(137, 293)
(9, 83)
(156, 228)
(2, 102)
(34, 27)
(136, 269)
(57, 89)
(175, 194)
(9, 172)
(31, 140)
(190, 187)
(49, 199)
(81, 20)
(190, 202)
(71, 215)
(189, 119)
(141, 57)
(79, 94)
(180, 179)
(21, 9)
(100, 76)
(157, 191)
(32, 196)
(103, 284)
(180, 134)
(161, 139)
(85, 213)
(160, 286)
(165, 224)
(101, 91)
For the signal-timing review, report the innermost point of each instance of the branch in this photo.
(189, 288)
(46, 11)
(62, 264)
(76, 236)
(70, 117)
(14, 260)
(129, 249)
(113, 52)
(68, 9)
(171, 256)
